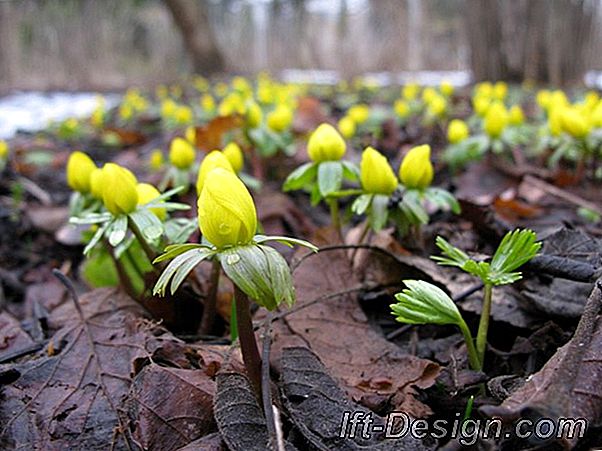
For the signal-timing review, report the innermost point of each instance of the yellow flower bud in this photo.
(481, 105)
(376, 174)
(543, 98)
(516, 116)
(596, 117)
(347, 127)
(227, 215)
(148, 193)
(3, 149)
(410, 91)
(119, 193)
(280, 118)
(416, 170)
(325, 144)
(208, 103)
(359, 113)
(181, 153)
(500, 89)
(496, 120)
(96, 183)
(234, 154)
(254, 115)
(428, 94)
(156, 160)
(190, 135)
(555, 121)
(574, 123)
(401, 108)
(437, 105)
(183, 115)
(79, 168)
(447, 89)
(212, 160)
(484, 89)
(457, 131)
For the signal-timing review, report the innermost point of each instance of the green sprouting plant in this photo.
(424, 303)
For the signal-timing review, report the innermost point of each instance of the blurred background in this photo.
(56, 54)
(113, 44)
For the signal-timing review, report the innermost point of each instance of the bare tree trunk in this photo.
(542, 40)
(192, 19)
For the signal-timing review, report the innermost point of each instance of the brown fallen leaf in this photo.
(371, 369)
(12, 336)
(171, 406)
(568, 385)
(209, 136)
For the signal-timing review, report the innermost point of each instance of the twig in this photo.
(266, 392)
(562, 194)
(279, 434)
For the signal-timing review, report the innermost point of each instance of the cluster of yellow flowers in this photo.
(133, 103)
(576, 119)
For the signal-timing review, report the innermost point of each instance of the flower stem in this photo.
(335, 216)
(473, 357)
(210, 306)
(124, 279)
(484, 322)
(150, 253)
(246, 336)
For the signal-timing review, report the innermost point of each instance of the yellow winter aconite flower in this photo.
(119, 194)
(401, 108)
(214, 159)
(359, 113)
(500, 89)
(207, 103)
(410, 91)
(484, 89)
(148, 193)
(234, 154)
(457, 131)
(96, 183)
(481, 105)
(79, 168)
(516, 115)
(496, 120)
(190, 135)
(183, 115)
(555, 121)
(347, 127)
(227, 215)
(416, 170)
(543, 98)
(437, 105)
(428, 94)
(574, 123)
(325, 144)
(596, 117)
(254, 115)
(155, 160)
(376, 174)
(446, 88)
(3, 149)
(181, 153)
(280, 118)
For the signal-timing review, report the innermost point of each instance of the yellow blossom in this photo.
(376, 174)
(181, 153)
(280, 118)
(516, 115)
(346, 126)
(325, 144)
(156, 160)
(119, 194)
(148, 193)
(416, 170)
(226, 212)
(79, 168)
(234, 154)
(214, 159)
(359, 113)
(496, 120)
(457, 131)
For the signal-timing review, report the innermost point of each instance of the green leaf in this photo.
(260, 272)
(350, 171)
(361, 204)
(300, 177)
(442, 199)
(516, 249)
(96, 238)
(379, 212)
(412, 208)
(91, 218)
(330, 177)
(179, 268)
(424, 303)
(260, 239)
(178, 230)
(118, 230)
(150, 226)
(174, 250)
(453, 255)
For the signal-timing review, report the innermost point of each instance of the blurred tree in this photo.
(546, 41)
(192, 19)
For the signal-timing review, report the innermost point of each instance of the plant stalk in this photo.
(210, 307)
(473, 356)
(484, 322)
(124, 279)
(248, 343)
(335, 217)
(150, 253)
